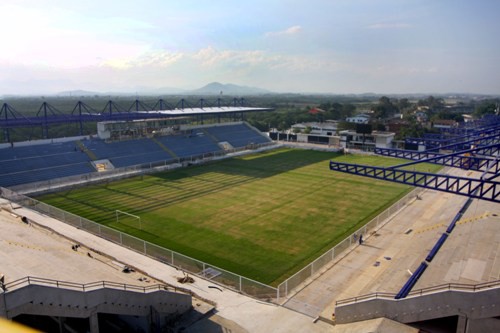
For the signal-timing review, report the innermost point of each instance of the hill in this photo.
(216, 88)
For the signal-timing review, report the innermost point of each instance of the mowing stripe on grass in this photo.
(263, 216)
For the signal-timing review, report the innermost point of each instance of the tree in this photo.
(337, 111)
(348, 110)
(403, 104)
(485, 107)
(385, 108)
(445, 114)
(363, 129)
(432, 103)
(413, 129)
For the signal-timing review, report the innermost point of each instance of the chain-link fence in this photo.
(213, 273)
(287, 287)
(185, 263)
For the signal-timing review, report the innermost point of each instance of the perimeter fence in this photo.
(199, 268)
(287, 287)
(178, 260)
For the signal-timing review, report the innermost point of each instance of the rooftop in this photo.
(204, 111)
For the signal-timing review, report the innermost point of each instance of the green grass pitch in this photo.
(263, 216)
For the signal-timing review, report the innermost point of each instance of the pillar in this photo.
(94, 323)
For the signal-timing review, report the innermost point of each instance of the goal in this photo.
(128, 219)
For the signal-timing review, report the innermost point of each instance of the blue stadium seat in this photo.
(189, 145)
(28, 164)
(238, 135)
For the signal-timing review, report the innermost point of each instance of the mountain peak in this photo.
(217, 88)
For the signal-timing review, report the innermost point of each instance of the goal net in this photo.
(128, 219)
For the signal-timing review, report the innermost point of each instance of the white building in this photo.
(444, 123)
(358, 119)
(328, 128)
(376, 139)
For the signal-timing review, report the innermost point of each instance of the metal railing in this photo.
(424, 291)
(31, 280)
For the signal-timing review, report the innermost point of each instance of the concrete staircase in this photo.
(34, 296)
(165, 148)
(473, 306)
(89, 153)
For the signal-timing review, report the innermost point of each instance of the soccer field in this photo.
(263, 216)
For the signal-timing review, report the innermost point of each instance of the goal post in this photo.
(128, 219)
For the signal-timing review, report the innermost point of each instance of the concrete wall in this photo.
(59, 302)
(472, 305)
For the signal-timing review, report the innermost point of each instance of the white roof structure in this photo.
(208, 110)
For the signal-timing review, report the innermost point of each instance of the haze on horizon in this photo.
(315, 46)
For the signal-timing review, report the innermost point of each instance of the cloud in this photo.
(157, 58)
(287, 32)
(249, 60)
(63, 38)
(161, 68)
(211, 57)
(389, 26)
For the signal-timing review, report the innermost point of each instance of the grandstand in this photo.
(46, 160)
(35, 163)
(456, 291)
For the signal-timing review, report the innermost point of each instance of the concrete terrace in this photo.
(471, 254)
(30, 250)
(235, 312)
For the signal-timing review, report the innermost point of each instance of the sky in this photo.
(298, 46)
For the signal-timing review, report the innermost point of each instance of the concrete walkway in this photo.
(383, 262)
(387, 258)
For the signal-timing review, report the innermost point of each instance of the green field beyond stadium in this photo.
(263, 216)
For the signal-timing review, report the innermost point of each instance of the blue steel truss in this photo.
(437, 141)
(7, 112)
(48, 115)
(478, 141)
(478, 150)
(483, 158)
(485, 122)
(475, 188)
(488, 138)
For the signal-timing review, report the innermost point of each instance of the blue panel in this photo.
(408, 286)
(436, 247)
(190, 145)
(239, 135)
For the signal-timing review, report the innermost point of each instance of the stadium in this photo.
(197, 221)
